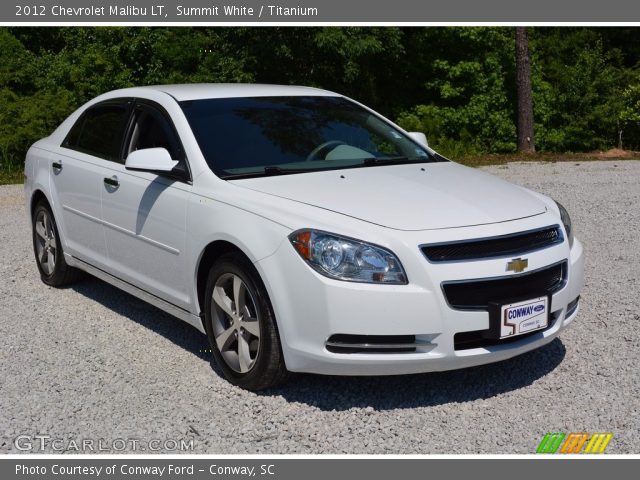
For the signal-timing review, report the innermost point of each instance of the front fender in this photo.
(211, 220)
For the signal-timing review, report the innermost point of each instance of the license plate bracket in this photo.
(515, 317)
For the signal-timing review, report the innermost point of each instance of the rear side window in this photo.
(99, 131)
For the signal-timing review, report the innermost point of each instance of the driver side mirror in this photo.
(154, 160)
(419, 137)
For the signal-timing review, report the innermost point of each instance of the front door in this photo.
(144, 214)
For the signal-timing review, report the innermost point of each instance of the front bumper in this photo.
(311, 308)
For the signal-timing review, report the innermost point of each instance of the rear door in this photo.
(145, 214)
(77, 173)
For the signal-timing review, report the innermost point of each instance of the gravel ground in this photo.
(93, 362)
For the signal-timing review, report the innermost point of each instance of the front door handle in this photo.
(112, 181)
(57, 166)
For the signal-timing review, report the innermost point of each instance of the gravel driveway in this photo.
(91, 362)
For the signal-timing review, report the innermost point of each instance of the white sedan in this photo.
(300, 231)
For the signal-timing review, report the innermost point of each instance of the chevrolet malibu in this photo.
(300, 231)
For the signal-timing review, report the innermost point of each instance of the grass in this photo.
(9, 176)
(14, 175)
(502, 158)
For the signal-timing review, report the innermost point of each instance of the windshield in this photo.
(247, 137)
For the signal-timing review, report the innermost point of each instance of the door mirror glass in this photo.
(150, 160)
(419, 137)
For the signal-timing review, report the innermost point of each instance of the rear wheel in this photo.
(47, 247)
(241, 325)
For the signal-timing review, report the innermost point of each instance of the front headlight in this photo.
(347, 259)
(566, 221)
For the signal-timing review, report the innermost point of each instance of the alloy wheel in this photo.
(236, 322)
(46, 246)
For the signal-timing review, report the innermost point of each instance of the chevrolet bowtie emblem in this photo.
(517, 265)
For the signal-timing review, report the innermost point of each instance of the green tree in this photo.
(468, 84)
(455, 84)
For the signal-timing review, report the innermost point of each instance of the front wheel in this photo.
(241, 325)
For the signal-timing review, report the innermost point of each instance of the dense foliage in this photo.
(455, 84)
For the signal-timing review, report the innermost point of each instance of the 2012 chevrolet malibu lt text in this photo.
(301, 231)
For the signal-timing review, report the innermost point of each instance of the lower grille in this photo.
(478, 294)
(344, 343)
(477, 338)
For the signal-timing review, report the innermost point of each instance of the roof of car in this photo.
(197, 91)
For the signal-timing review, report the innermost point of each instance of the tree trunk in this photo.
(525, 101)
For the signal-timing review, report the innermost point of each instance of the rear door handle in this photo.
(112, 181)
(57, 166)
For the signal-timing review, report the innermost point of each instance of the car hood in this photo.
(406, 197)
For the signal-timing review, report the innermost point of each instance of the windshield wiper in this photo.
(273, 170)
(265, 172)
(283, 171)
(374, 161)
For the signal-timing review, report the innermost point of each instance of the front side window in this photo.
(266, 135)
(99, 131)
(152, 130)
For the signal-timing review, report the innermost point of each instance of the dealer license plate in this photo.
(524, 317)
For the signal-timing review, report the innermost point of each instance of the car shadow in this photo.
(153, 191)
(173, 329)
(428, 389)
(343, 393)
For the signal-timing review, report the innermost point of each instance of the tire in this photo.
(246, 346)
(47, 248)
